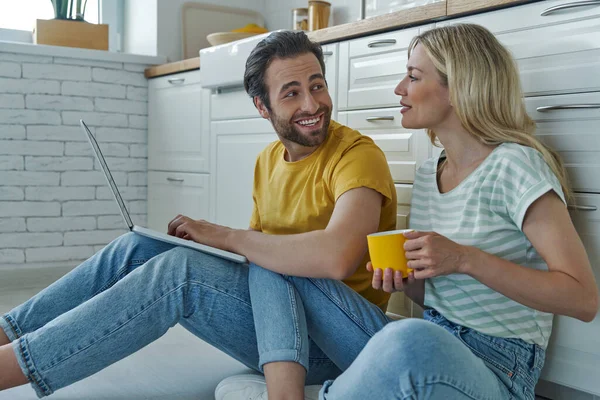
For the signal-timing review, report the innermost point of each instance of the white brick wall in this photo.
(55, 206)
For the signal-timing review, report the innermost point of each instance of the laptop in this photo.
(163, 237)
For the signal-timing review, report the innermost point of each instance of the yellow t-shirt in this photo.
(299, 197)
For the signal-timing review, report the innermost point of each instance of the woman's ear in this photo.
(262, 109)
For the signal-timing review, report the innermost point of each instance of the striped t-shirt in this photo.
(486, 210)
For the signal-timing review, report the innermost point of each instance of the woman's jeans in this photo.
(131, 292)
(437, 359)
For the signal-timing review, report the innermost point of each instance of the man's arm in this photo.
(334, 252)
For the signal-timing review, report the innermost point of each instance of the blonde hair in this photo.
(485, 89)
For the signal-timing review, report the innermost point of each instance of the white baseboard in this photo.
(555, 391)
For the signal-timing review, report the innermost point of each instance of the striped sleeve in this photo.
(526, 177)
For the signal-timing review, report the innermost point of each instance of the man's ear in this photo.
(262, 109)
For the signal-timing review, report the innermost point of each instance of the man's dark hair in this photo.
(283, 44)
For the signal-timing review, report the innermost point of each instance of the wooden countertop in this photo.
(380, 23)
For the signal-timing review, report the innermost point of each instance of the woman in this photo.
(490, 267)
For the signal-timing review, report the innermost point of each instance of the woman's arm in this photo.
(567, 288)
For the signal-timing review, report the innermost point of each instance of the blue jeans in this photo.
(437, 359)
(291, 312)
(131, 292)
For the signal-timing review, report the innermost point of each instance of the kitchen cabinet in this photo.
(463, 6)
(178, 150)
(556, 51)
(404, 149)
(573, 357)
(569, 124)
(176, 141)
(331, 58)
(236, 145)
(172, 193)
(370, 69)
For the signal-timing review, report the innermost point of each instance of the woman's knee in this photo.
(406, 337)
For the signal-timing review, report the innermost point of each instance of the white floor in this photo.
(178, 366)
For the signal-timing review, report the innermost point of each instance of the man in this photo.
(318, 192)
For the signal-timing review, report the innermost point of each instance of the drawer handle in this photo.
(175, 179)
(383, 42)
(176, 81)
(582, 208)
(567, 107)
(386, 118)
(567, 6)
(327, 53)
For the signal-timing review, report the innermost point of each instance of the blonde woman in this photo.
(491, 265)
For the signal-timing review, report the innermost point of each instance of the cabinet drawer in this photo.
(181, 79)
(382, 43)
(585, 212)
(549, 12)
(558, 53)
(559, 58)
(403, 194)
(404, 149)
(403, 171)
(232, 104)
(402, 216)
(573, 132)
(172, 193)
(371, 68)
(573, 356)
(177, 140)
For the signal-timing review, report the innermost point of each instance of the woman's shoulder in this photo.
(519, 160)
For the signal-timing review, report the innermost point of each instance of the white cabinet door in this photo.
(569, 124)
(370, 69)
(331, 58)
(176, 140)
(557, 52)
(404, 149)
(172, 193)
(573, 357)
(236, 144)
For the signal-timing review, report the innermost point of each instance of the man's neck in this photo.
(295, 152)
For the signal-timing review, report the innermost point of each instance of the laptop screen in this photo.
(107, 174)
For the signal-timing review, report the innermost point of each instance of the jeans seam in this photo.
(525, 375)
(220, 291)
(488, 359)
(13, 326)
(32, 371)
(298, 344)
(336, 301)
(116, 276)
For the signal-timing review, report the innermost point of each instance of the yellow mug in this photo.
(387, 251)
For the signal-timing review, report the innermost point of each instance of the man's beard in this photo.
(289, 131)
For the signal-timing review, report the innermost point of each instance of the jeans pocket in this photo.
(501, 361)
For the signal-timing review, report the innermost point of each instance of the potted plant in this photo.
(68, 28)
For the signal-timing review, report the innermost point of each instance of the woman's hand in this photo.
(199, 231)
(389, 280)
(430, 254)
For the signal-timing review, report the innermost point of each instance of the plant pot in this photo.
(71, 33)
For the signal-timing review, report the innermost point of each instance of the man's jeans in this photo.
(437, 359)
(131, 292)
